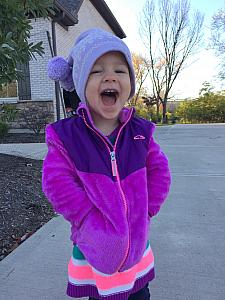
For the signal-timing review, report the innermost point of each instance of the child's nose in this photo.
(109, 77)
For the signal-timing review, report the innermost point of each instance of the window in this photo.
(9, 91)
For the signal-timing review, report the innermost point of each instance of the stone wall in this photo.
(28, 106)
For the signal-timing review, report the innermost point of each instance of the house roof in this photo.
(70, 9)
(65, 15)
(71, 5)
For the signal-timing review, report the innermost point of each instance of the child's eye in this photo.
(120, 71)
(95, 71)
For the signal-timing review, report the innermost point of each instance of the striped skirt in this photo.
(85, 281)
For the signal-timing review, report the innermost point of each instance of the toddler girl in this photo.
(104, 172)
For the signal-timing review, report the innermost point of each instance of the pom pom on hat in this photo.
(60, 70)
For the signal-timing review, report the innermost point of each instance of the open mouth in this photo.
(109, 96)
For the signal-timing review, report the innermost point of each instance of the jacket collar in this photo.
(124, 115)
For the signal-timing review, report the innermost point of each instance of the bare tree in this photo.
(206, 89)
(171, 35)
(218, 38)
(141, 72)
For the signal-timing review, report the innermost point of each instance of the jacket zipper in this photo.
(121, 191)
(115, 173)
(113, 163)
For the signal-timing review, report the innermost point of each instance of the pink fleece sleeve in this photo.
(158, 177)
(60, 182)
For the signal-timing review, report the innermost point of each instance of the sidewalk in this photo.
(187, 236)
(37, 269)
(32, 150)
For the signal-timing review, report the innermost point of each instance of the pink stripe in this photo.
(115, 280)
(80, 272)
(124, 278)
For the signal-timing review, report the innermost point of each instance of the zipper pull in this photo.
(113, 163)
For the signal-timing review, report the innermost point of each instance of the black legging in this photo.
(143, 294)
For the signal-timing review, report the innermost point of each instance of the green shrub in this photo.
(142, 112)
(35, 119)
(3, 129)
(8, 113)
(208, 108)
(148, 113)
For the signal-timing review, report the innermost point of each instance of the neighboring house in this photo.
(172, 105)
(58, 35)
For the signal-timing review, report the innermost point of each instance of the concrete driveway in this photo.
(188, 236)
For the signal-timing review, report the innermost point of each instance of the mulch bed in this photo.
(14, 138)
(23, 206)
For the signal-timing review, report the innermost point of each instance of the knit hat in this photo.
(89, 46)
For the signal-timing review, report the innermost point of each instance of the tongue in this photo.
(108, 100)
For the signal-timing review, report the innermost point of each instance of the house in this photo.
(58, 34)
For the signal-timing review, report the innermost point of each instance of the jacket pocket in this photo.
(103, 245)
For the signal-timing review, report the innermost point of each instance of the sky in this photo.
(203, 67)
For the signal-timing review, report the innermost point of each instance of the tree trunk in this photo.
(157, 111)
(164, 116)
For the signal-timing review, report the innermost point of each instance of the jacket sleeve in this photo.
(60, 182)
(158, 177)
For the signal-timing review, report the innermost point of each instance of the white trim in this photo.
(9, 100)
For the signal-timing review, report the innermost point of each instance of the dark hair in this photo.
(71, 99)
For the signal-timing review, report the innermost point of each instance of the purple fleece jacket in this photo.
(108, 200)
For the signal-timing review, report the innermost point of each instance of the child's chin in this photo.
(111, 116)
